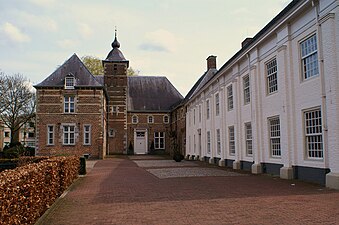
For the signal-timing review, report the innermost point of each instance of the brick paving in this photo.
(117, 191)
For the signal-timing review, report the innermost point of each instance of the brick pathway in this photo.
(117, 191)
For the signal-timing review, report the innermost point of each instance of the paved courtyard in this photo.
(152, 190)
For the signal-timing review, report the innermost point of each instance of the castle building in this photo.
(79, 113)
(274, 106)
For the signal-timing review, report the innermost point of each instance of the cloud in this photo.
(85, 30)
(43, 3)
(160, 40)
(14, 33)
(67, 43)
(153, 47)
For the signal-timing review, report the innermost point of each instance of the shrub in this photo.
(26, 192)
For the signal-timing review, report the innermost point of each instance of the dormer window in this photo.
(69, 82)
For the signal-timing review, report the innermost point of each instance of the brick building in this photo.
(78, 113)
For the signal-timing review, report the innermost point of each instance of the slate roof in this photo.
(73, 66)
(151, 93)
(115, 55)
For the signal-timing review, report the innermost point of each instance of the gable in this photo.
(72, 67)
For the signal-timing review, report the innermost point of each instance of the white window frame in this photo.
(208, 142)
(166, 119)
(217, 104)
(69, 104)
(309, 57)
(231, 140)
(272, 76)
(248, 138)
(87, 134)
(68, 134)
(69, 82)
(246, 89)
(274, 135)
(313, 134)
(218, 142)
(50, 134)
(207, 109)
(135, 119)
(159, 140)
(150, 119)
(230, 105)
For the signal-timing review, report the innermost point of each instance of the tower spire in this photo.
(115, 43)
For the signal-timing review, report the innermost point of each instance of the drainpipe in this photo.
(322, 83)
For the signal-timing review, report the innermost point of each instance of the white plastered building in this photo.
(274, 106)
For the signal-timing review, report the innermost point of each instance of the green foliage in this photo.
(130, 149)
(15, 150)
(93, 64)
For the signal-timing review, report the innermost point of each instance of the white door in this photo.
(140, 142)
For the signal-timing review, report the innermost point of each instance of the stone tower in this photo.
(115, 81)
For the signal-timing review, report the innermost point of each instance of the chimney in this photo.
(246, 42)
(211, 62)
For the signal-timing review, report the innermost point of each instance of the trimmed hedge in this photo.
(27, 192)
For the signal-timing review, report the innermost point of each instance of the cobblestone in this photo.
(191, 172)
(117, 191)
(163, 163)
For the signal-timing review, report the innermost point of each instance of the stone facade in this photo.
(271, 108)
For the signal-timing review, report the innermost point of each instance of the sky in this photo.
(169, 38)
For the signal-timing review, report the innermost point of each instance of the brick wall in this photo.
(89, 110)
(158, 125)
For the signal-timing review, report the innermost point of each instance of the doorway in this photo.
(140, 141)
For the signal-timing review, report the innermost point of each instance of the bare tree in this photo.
(17, 103)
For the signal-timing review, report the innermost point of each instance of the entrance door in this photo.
(140, 142)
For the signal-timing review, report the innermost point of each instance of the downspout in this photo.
(322, 83)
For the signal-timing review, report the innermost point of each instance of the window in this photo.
(218, 142)
(309, 57)
(159, 140)
(231, 139)
(166, 119)
(229, 98)
(194, 117)
(272, 79)
(248, 133)
(313, 134)
(208, 142)
(199, 113)
(69, 82)
(6, 134)
(134, 119)
(150, 119)
(69, 135)
(50, 135)
(217, 104)
(274, 128)
(246, 86)
(69, 104)
(31, 135)
(111, 132)
(208, 109)
(87, 134)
